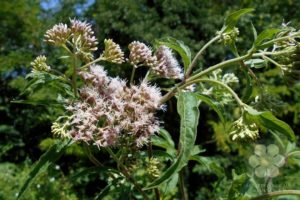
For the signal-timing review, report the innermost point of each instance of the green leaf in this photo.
(239, 186)
(180, 48)
(48, 158)
(232, 19)
(268, 120)
(37, 102)
(216, 106)
(256, 63)
(187, 106)
(254, 31)
(210, 164)
(265, 35)
(106, 190)
(164, 140)
(42, 79)
(249, 85)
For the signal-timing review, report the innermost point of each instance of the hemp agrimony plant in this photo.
(118, 115)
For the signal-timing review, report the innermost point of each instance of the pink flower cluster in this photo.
(163, 62)
(167, 65)
(110, 112)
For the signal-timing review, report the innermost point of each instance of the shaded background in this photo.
(25, 129)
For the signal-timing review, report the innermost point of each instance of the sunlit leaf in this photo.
(187, 106)
(232, 19)
(265, 35)
(268, 120)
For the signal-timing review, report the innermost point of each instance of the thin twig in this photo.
(277, 193)
(126, 174)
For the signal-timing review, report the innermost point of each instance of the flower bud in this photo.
(141, 54)
(39, 64)
(58, 35)
(112, 52)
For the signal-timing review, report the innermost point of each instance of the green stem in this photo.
(126, 174)
(132, 74)
(150, 155)
(272, 61)
(92, 62)
(280, 39)
(277, 193)
(91, 157)
(235, 96)
(220, 65)
(183, 192)
(172, 92)
(275, 53)
(199, 54)
(74, 76)
(293, 153)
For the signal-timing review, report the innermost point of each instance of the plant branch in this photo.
(235, 96)
(172, 92)
(277, 193)
(132, 74)
(184, 194)
(91, 157)
(199, 54)
(281, 39)
(92, 62)
(150, 155)
(74, 75)
(272, 61)
(126, 174)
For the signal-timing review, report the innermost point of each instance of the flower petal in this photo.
(260, 150)
(261, 171)
(254, 161)
(272, 150)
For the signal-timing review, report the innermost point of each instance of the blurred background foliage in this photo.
(25, 129)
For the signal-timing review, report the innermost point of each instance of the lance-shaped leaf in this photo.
(187, 106)
(164, 140)
(265, 35)
(48, 158)
(268, 120)
(233, 18)
(180, 48)
(214, 105)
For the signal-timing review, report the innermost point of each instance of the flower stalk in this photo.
(270, 195)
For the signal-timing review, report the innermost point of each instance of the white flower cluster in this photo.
(109, 112)
(244, 130)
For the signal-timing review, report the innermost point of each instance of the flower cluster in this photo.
(163, 62)
(244, 129)
(112, 52)
(39, 64)
(58, 35)
(109, 111)
(141, 54)
(153, 167)
(228, 37)
(167, 65)
(79, 35)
